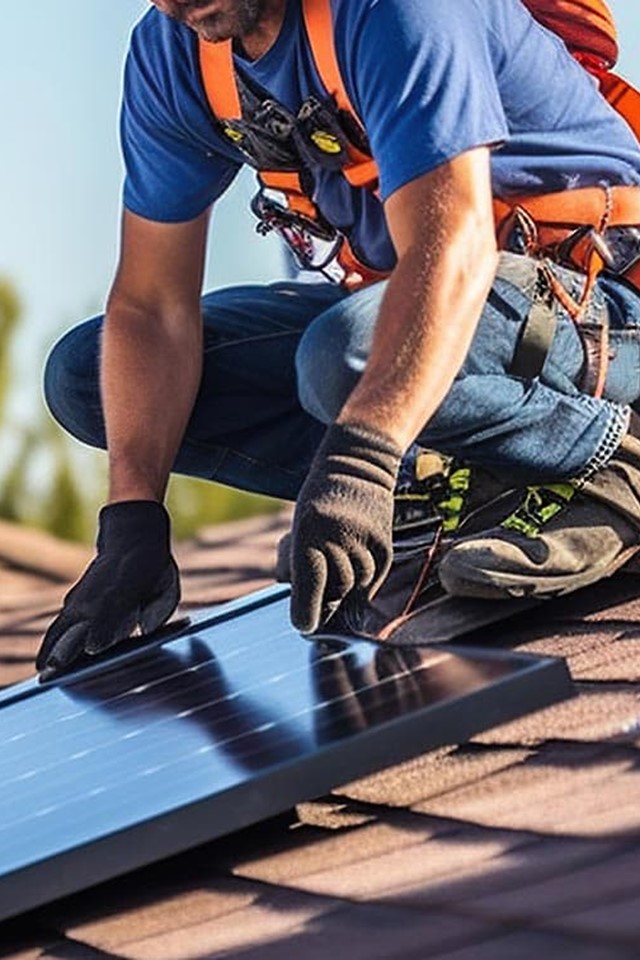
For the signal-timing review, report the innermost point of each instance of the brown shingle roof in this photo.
(524, 843)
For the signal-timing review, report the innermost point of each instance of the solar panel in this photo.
(233, 720)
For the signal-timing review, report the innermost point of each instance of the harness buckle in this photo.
(315, 244)
(576, 249)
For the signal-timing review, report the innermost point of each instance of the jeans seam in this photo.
(617, 427)
(246, 340)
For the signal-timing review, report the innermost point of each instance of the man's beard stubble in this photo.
(242, 19)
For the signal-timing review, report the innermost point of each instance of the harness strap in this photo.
(318, 21)
(219, 80)
(586, 26)
(535, 341)
(595, 341)
(290, 183)
(624, 97)
(546, 222)
(617, 206)
(536, 338)
(356, 273)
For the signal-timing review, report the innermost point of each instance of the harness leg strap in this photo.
(595, 340)
(535, 341)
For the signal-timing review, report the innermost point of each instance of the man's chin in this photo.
(211, 36)
(212, 31)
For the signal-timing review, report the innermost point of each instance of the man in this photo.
(462, 103)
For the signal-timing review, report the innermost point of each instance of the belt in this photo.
(569, 227)
(598, 207)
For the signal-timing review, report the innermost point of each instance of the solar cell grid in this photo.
(234, 720)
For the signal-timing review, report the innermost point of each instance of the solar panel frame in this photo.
(526, 683)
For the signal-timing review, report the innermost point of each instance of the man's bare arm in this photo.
(443, 232)
(151, 352)
(150, 369)
(442, 228)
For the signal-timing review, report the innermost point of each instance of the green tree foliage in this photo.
(197, 503)
(9, 317)
(44, 483)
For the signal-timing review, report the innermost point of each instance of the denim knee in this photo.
(324, 377)
(71, 383)
(333, 352)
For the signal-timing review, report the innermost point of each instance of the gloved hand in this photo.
(132, 580)
(282, 571)
(341, 539)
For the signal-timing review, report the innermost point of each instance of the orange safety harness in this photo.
(568, 226)
(338, 135)
(586, 26)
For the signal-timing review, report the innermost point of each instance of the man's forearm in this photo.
(150, 374)
(426, 323)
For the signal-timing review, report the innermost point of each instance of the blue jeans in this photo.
(280, 360)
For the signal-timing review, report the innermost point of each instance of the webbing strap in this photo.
(623, 97)
(291, 185)
(534, 342)
(318, 20)
(363, 173)
(619, 205)
(586, 26)
(219, 79)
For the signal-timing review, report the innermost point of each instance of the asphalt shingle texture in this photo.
(523, 843)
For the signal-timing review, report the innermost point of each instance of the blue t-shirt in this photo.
(430, 79)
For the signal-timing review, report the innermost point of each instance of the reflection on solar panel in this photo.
(234, 720)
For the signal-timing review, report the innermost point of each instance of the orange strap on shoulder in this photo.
(219, 79)
(218, 75)
(219, 82)
(586, 26)
(318, 21)
(624, 97)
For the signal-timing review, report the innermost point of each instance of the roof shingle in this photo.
(522, 843)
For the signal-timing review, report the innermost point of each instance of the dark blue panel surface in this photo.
(234, 720)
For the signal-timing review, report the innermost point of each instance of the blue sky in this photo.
(60, 74)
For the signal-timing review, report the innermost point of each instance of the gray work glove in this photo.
(133, 581)
(341, 539)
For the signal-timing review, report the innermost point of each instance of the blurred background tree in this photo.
(48, 480)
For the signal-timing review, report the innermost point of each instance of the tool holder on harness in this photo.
(331, 135)
(587, 230)
(324, 134)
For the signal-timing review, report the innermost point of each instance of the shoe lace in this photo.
(541, 504)
(431, 494)
(430, 503)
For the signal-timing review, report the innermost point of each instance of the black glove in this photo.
(282, 572)
(132, 580)
(341, 539)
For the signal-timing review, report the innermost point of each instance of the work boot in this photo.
(556, 537)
